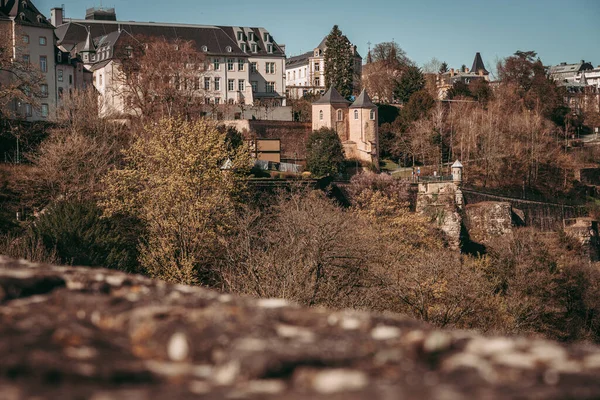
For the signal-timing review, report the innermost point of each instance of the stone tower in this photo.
(457, 177)
(331, 111)
(364, 129)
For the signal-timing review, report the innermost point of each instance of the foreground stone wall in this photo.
(97, 334)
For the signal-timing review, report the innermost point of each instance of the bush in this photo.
(324, 153)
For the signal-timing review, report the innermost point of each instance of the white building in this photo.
(244, 65)
(306, 73)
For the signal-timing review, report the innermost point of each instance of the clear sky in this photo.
(451, 31)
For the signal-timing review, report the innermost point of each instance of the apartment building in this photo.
(32, 43)
(244, 65)
(306, 73)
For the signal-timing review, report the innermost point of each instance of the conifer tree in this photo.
(339, 62)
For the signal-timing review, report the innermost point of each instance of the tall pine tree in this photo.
(339, 62)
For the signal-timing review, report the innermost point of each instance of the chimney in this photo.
(56, 16)
(451, 72)
(467, 70)
(282, 47)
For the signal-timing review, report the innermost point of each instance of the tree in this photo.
(20, 80)
(159, 77)
(411, 81)
(432, 66)
(390, 53)
(324, 153)
(339, 62)
(443, 68)
(173, 183)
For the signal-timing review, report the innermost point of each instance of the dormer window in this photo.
(24, 4)
(265, 37)
(228, 49)
(316, 53)
(251, 36)
(204, 49)
(240, 35)
(244, 47)
(40, 19)
(254, 47)
(269, 48)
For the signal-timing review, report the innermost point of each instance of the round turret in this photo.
(457, 170)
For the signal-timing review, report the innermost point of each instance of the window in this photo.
(355, 114)
(317, 66)
(42, 40)
(196, 83)
(244, 47)
(240, 35)
(295, 74)
(26, 39)
(265, 36)
(253, 47)
(100, 80)
(70, 79)
(241, 64)
(204, 49)
(230, 64)
(228, 49)
(229, 101)
(372, 115)
(59, 75)
(270, 87)
(45, 110)
(59, 57)
(288, 75)
(217, 100)
(206, 83)
(26, 59)
(317, 81)
(340, 115)
(241, 85)
(269, 48)
(253, 67)
(60, 92)
(44, 63)
(44, 90)
(251, 37)
(321, 115)
(270, 67)
(217, 83)
(230, 84)
(28, 110)
(254, 86)
(216, 65)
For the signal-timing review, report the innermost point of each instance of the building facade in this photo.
(243, 65)
(355, 123)
(305, 74)
(445, 81)
(582, 85)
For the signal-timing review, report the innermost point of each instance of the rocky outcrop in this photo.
(438, 200)
(98, 334)
(488, 220)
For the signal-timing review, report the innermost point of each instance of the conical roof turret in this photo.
(332, 96)
(363, 101)
(89, 44)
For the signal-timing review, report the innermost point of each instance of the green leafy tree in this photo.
(411, 81)
(172, 181)
(443, 68)
(339, 62)
(325, 154)
(80, 236)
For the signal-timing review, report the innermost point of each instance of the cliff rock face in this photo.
(98, 334)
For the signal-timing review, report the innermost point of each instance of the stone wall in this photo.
(437, 200)
(69, 332)
(488, 220)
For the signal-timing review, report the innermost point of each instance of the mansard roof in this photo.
(24, 13)
(231, 31)
(299, 60)
(478, 64)
(363, 101)
(218, 40)
(332, 97)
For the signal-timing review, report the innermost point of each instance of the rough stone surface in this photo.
(437, 200)
(488, 220)
(95, 334)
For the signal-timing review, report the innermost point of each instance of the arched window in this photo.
(355, 114)
(321, 115)
(340, 115)
(372, 115)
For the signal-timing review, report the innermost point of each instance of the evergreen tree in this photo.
(324, 153)
(411, 81)
(339, 62)
(443, 68)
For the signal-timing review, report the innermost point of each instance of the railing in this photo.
(432, 178)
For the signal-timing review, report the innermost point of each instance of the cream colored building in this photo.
(355, 123)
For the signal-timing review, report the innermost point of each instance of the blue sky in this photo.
(451, 31)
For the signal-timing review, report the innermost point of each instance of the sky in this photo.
(451, 31)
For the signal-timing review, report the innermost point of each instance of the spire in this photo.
(363, 101)
(89, 44)
(478, 65)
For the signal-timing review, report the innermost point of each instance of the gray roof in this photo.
(332, 97)
(295, 61)
(24, 13)
(478, 64)
(363, 101)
